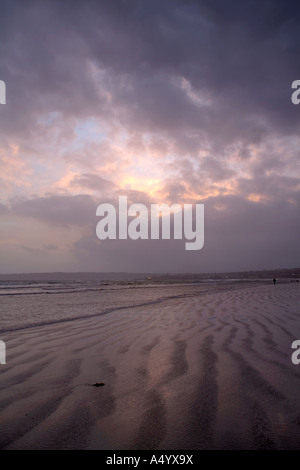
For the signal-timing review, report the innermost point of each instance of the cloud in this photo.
(239, 234)
(139, 51)
(3, 209)
(92, 181)
(160, 101)
(65, 211)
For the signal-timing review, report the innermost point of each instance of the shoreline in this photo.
(203, 372)
(212, 289)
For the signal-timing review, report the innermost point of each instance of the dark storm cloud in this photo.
(67, 210)
(215, 170)
(243, 55)
(245, 60)
(273, 187)
(241, 235)
(175, 189)
(61, 211)
(245, 233)
(92, 181)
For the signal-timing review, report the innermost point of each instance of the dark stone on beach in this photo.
(98, 384)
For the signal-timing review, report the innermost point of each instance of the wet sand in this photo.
(203, 372)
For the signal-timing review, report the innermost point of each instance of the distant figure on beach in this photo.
(274, 280)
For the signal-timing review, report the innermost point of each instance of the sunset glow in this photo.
(183, 111)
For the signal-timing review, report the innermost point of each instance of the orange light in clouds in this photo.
(65, 181)
(211, 191)
(12, 168)
(14, 148)
(157, 190)
(148, 185)
(254, 197)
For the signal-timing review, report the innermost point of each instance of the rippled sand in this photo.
(204, 372)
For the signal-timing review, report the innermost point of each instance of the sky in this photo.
(167, 101)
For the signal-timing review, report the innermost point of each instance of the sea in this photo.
(30, 303)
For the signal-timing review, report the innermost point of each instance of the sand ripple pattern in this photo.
(212, 371)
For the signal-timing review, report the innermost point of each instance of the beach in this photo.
(196, 370)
